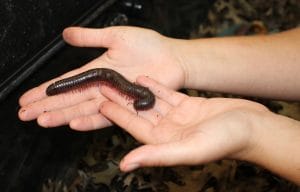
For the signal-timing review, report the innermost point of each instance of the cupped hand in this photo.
(131, 51)
(183, 130)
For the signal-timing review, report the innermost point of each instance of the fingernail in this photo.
(44, 120)
(23, 113)
(132, 167)
(22, 110)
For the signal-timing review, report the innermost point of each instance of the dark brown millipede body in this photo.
(143, 98)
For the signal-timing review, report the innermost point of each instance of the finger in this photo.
(39, 92)
(134, 124)
(162, 92)
(162, 107)
(152, 115)
(88, 37)
(167, 154)
(33, 110)
(89, 123)
(65, 115)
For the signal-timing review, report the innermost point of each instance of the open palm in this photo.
(182, 129)
(131, 51)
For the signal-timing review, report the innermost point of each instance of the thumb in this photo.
(168, 154)
(88, 37)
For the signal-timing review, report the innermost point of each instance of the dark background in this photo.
(29, 29)
(27, 26)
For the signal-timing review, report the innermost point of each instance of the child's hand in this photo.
(182, 130)
(131, 52)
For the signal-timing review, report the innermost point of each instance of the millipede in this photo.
(143, 98)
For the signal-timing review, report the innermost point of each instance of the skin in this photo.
(213, 129)
(245, 130)
(149, 50)
(237, 65)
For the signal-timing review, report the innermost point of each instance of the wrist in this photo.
(274, 145)
(254, 119)
(195, 59)
(187, 61)
(177, 47)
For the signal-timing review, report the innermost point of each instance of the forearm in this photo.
(276, 146)
(266, 66)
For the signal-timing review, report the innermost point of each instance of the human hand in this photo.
(183, 130)
(131, 51)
